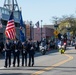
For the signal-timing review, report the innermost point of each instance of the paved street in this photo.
(53, 63)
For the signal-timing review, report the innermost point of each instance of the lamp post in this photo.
(56, 25)
(33, 31)
(25, 30)
(41, 29)
(30, 30)
(68, 26)
(56, 32)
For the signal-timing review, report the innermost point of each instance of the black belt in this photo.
(7, 49)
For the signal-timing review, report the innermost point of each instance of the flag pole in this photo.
(13, 8)
(41, 29)
(10, 30)
(33, 32)
(13, 5)
(13, 12)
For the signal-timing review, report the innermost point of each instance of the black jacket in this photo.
(31, 48)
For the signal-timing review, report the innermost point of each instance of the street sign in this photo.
(56, 32)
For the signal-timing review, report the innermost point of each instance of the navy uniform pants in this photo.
(7, 58)
(16, 56)
(24, 59)
(31, 59)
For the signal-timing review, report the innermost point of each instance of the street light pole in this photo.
(30, 30)
(33, 31)
(25, 31)
(56, 26)
(41, 29)
(68, 26)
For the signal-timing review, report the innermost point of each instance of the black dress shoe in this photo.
(13, 65)
(9, 65)
(22, 65)
(5, 66)
(29, 66)
(17, 65)
(25, 64)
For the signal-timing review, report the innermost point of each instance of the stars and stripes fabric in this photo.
(22, 36)
(10, 31)
(0, 24)
(0, 21)
(37, 25)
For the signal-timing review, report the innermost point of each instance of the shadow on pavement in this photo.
(38, 68)
(16, 74)
(39, 53)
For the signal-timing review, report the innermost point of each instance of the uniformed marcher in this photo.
(16, 52)
(7, 53)
(31, 52)
(24, 53)
(1, 48)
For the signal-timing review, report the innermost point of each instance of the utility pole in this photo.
(41, 29)
(30, 29)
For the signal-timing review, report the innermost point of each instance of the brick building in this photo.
(46, 33)
(35, 34)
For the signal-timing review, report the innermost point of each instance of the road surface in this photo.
(53, 63)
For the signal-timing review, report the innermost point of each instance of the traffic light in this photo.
(59, 36)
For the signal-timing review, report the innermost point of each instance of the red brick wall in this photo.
(46, 32)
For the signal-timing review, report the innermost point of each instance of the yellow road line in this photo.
(55, 65)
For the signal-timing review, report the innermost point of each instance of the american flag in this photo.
(10, 31)
(0, 24)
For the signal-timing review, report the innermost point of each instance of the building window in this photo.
(7, 12)
(4, 22)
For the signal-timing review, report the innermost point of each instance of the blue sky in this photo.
(37, 10)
